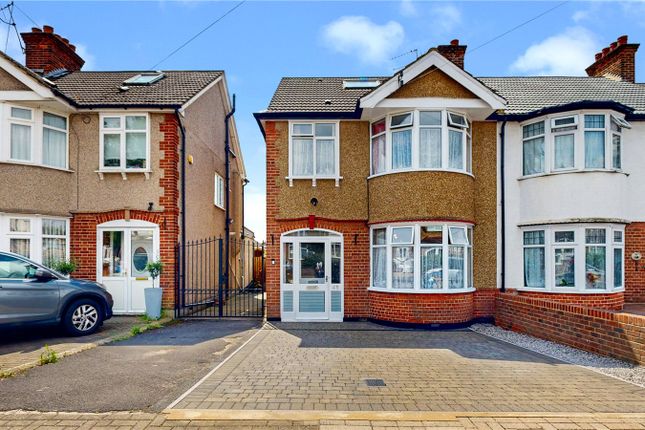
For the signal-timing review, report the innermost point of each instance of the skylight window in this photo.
(144, 78)
(361, 83)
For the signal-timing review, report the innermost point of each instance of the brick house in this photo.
(91, 165)
(414, 198)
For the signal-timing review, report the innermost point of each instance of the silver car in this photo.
(31, 294)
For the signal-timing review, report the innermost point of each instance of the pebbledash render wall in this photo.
(165, 178)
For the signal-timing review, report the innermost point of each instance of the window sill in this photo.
(413, 291)
(218, 206)
(394, 172)
(124, 173)
(314, 179)
(28, 163)
(569, 172)
(570, 290)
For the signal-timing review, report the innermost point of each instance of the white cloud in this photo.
(567, 53)
(407, 8)
(445, 17)
(85, 54)
(255, 211)
(358, 35)
(581, 15)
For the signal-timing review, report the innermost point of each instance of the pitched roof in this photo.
(93, 89)
(523, 94)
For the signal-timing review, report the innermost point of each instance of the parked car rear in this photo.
(32, 294)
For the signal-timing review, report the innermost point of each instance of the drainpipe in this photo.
(182, 193)
(227, 181)
(502, 136)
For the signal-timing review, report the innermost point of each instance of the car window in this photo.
(14, 268)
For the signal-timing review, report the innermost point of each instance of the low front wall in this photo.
(605, 332)
(612, 301)
(421, 308)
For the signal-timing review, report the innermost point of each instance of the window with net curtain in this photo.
(313, 150)
(534, 253)
(20, 134)
(401, 126)
(54, 140)
(54, 236)
(595, 141)
(533, 148)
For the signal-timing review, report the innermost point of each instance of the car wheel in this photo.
(83, 317)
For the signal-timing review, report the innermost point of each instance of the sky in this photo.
(262, 41)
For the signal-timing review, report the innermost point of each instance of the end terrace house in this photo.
(112, 169)
(415, 198)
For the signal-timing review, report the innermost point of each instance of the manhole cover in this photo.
(375, 382)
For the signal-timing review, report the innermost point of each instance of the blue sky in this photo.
(262, 41)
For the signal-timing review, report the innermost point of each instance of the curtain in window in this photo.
(402, 267)
(533, 156)
(565, 268)
(455, 267)
(615, 151)
(378, 154)
(54, 148)
(564, 151)
(595, 267)
(135, 150)
(20, 247)
(379, 267)
(54, 250)
(111, 150)
(303, 160)
(430, 148)
(325, 157)
(595, 149)
(431, 267)
(20, 142)
(534, 267)
(455, 149)
(401, 149)
(618, 267)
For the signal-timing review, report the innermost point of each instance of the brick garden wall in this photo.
(613, 301)
(599, 331)
(634, 272)
(421, 308)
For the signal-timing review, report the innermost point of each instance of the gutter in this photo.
(502, 137)
(182, 194)
(227, 182)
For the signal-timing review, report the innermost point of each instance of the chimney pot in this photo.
(622, 40)
(36, 30)
(616, 60)
(454, 42)
(605, 51)
(598, 56)
(46, 51)
(48, 29)
(613, 45)
(73, 47)
(66, 41)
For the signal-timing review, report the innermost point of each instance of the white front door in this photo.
(123, 254)
(312, 288)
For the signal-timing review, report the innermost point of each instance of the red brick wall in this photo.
(600, 331)
(613, 301)
(84, 225)
(484, 302)
(635, 272)
(618, 62)
(48, 51)
(422, 308)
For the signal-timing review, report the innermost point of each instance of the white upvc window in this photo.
(574, 258)
(42, 239)
(54, 240)
(422, 257)
(314, 151)
(125, 142)
(21, 133)
(219, 196)
(585, 140)
(20, 236)
(421, 140)
(54, 149)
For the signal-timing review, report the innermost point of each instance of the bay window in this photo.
(54, 140)
(574, 258)
(421, 140)
(416, 257)
(314, 151)
(124, 142)
(44, 240)
(21, 122)
(54, 241)
(580, 141)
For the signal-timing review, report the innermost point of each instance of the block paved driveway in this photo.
(300, 367)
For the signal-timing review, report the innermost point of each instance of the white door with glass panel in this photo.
(312, 268)
(123, 253)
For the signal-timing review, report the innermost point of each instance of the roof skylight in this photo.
(361, 83)
(144, 78)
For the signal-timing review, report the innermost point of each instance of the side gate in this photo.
(207, 287)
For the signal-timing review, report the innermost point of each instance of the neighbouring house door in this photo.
(312, 287)
(123, 255)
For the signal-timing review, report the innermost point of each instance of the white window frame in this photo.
(417, 246)
(49, 127)
(44, 236)
(31, 123)
(579, 141)
(416, 153)
(315, 177)
(122, 150)
(579, 246)
(373, 137)
(537, 136)
(35, 234)
(219, 190)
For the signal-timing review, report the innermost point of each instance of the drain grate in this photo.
(375, 382)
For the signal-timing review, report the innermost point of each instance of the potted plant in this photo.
(153, 294)
(65, 267)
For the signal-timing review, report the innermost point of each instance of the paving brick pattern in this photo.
(299, 368)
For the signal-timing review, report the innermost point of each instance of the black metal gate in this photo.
(204, 286)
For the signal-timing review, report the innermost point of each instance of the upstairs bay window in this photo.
(421, 140)
(124, 143)
(21, 122)
(583, 141)
(313, 151)
(54, 140)
(422, 257)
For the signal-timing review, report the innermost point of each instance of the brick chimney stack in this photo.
(616, 61)
(46, 51)
(454, 52)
